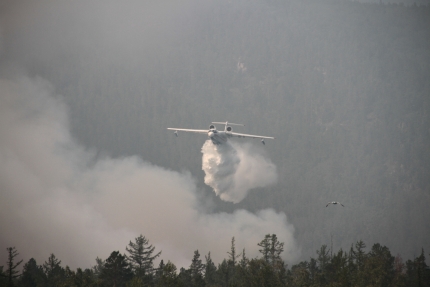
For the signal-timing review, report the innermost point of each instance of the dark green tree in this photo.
(262, 274)
(359, 256)
(184, 277)
(339, 272)
(232, 254)
(196, 270)
(323, 265)
(167, 276)
(378, 267)
(69, 278)
(242, 270)
(53, 271)
(300, 275)
(276, 248)
(116, 271)
(399, 272)
(98, 268)
(417, 271)
(32, 274)
(159, 270)
(11, 272)
(2, 277)
(210, 271)
(84, 278)
(232, 262)
(223, 274)
(265, 247)
(271, 249)
(141, 257)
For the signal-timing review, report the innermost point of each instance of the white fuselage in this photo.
(218, 137)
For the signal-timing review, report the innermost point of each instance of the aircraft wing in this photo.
(190, 130)
(248, 136)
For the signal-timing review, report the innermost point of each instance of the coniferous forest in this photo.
(358, 266)
(344, 86)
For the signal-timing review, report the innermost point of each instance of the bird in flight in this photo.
(334, 202)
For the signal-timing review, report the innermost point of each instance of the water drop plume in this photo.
(232, 169)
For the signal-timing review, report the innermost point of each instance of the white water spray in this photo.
(233, 169)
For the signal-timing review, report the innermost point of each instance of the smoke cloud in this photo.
(233, 169)
(57, 197)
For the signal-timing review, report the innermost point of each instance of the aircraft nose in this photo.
(210, 134)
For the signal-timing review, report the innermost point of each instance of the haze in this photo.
(88, 88)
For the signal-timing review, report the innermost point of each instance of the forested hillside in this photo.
(343, 86)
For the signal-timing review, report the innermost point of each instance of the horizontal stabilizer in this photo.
(228, 123)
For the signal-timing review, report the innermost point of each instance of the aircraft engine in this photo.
(229, 129)
(212, 127)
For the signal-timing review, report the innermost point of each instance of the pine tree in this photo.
(232, 262)
(184, 277)
(196, 270)
(223, 274)
(116, 271)
(210, 271)
(244, 260)
(98, 268)
(53, 271)
(399, 272)
(141, 256)
(159, 271)
(232, 253)
(359, 257)
(313, 271)
(32, 274)
(378, 268)
(69, 278)
(300, 275)
(2, 277)
(323, 264)
(359, 254)
(167, 276)
(339, 269)
(11, 271)
(265, 245)
(242, 273)
(417, 271)
(261, 273)
(84, 277)
(276, 248)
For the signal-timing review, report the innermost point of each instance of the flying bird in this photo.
(334, 202)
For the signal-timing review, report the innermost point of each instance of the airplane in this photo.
(220, 137)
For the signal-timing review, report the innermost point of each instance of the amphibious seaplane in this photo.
(219, 137)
